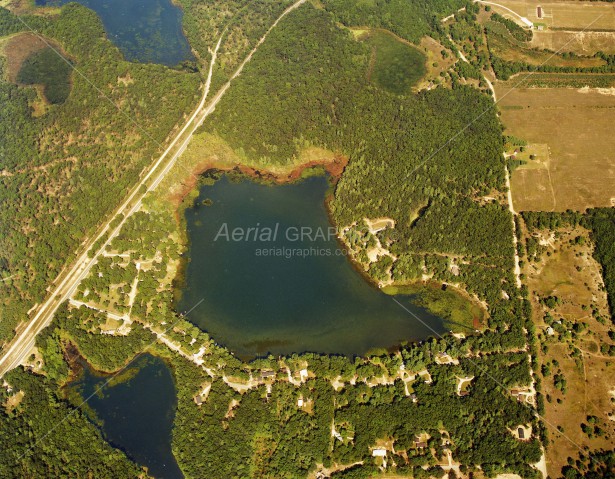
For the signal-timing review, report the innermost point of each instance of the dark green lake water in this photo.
(255, 304)
(147, 31)
(136, 409)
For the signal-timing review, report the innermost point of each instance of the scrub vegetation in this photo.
(568, 262)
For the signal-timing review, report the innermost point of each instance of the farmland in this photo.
(581, 43)
(577, 169)
(564, 15)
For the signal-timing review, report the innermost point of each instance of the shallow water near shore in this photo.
(267, 289)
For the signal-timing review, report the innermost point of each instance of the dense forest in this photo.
(64, 171)
(409, 19)
(601, 223)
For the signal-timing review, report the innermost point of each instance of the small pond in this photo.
(147, 31)
(135, 411)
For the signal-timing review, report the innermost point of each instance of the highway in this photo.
(63, 286)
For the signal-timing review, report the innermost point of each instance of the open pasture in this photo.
(576, 125)
(581, 43)
(566, 15)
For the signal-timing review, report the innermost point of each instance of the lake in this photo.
(258, 298)
(135, 410)
(147, 31)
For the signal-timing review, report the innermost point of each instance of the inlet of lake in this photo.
(134, 409)
(147, 31)
(284, 294)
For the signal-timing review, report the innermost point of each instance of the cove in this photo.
(147, 31)
(282, 302)
(135, 410)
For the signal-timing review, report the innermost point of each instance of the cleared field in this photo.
(435, 62)
(17, 49)
(577, 126)
(581, 43)
(396, 65)
(569, 272)
(511, 50)
(572, 15)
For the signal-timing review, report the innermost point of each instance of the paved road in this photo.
(63, 287)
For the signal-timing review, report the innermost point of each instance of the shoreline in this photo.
(334, 167)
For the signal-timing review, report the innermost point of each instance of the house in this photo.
(267, 374)
(539, 11)
(464, 393)
(199, 400)
(379, 452)
(418, 443)
(303, 374)
(514, 392)
(300, 402)
(521, 433)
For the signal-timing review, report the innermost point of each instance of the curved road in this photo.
(527, 23)
(19, 348)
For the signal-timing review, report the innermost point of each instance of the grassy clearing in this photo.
(17, 48)
(566, 270)
(45, 67)
(460, 314)
(576, 125)
(581, 43)
(505, 46)
(395, 66)
(436, 63)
